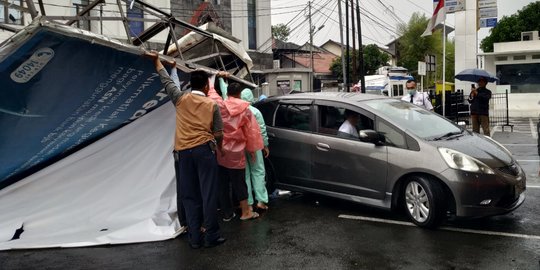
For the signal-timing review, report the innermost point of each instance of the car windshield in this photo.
(422, 123)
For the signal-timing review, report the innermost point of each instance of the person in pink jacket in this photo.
(241, 133)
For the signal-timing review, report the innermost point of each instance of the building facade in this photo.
(517, 65)
(14, 17)
(247, 20)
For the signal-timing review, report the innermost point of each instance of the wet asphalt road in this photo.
(307, 232)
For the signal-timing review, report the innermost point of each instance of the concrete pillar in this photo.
(466, 42)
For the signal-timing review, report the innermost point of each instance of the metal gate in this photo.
(457, 108)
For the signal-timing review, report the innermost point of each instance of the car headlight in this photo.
(460, 161)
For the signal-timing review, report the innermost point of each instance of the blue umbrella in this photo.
(474, 74)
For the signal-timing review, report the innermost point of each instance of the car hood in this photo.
(480, 148)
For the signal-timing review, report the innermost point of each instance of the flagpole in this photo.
(444, 70)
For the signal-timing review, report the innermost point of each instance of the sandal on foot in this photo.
(262, 206)
(254, 215)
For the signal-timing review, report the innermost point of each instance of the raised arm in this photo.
(223, 86)
(170, 87)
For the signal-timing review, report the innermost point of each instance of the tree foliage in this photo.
(374, 58)
(509, 28)
(281, 32)
(413, 47)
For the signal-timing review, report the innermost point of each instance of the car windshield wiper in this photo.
(449, 134)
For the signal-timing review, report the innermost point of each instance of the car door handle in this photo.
(323, 147)
(271, 135)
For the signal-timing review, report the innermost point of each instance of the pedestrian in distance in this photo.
(479, 100)
(241, 134)
(255, 171)
(198, 135)
(415, 97)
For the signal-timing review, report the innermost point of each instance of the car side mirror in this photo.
(371, 136)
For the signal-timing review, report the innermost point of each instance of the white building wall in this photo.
(239, 21)
(264, 27)
(519, 104)
(516, 46)
(333, 48)
(239, 24)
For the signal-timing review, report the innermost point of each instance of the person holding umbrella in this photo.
(479, 100)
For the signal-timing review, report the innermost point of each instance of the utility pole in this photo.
(310, 49)
(354, 66)
(361, 70)
(347, 48)
(341, 43)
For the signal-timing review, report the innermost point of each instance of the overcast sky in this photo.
(380, 29)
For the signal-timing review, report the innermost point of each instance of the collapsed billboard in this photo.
(54, 100)
(86, 135)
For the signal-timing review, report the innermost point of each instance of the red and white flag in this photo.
(439, 15)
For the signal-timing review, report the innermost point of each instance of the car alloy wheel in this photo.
(424, 199)
(417, 201)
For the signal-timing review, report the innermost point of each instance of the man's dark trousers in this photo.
(179, 204)
(199, 192)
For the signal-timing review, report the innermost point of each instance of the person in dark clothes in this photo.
(199, 132)
(479, 100)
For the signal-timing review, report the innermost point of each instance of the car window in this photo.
(293, 116)
(332, 118)
(409, 117)
(393, 137)
(267, 110)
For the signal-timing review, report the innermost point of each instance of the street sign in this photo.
(422, 68)
(453, 6)
(487, 12)
(487, 3)
(488, 22)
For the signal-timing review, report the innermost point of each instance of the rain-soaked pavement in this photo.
(314, 232)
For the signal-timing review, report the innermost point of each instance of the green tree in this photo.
(413, 48)
(373, 59)
(281, 32)
(509, 28)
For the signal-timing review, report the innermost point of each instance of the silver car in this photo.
(402, 157)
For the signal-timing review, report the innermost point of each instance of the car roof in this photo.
(330, 96)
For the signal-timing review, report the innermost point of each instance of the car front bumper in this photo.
(472, 192)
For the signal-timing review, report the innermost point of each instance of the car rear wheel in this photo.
(424, 202)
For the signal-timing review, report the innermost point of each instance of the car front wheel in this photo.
(424, 202)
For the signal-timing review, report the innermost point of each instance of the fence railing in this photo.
(457, 108)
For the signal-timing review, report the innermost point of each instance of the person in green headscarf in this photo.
(255, 172)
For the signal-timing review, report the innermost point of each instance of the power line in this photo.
(364, 36)
(286, 25)
(383, 27)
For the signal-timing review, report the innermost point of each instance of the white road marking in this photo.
(534, 132)
(528, 160)
(387, 221)
(493, 131)
(519, 144)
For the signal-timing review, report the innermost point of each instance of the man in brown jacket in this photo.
(199, 131)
